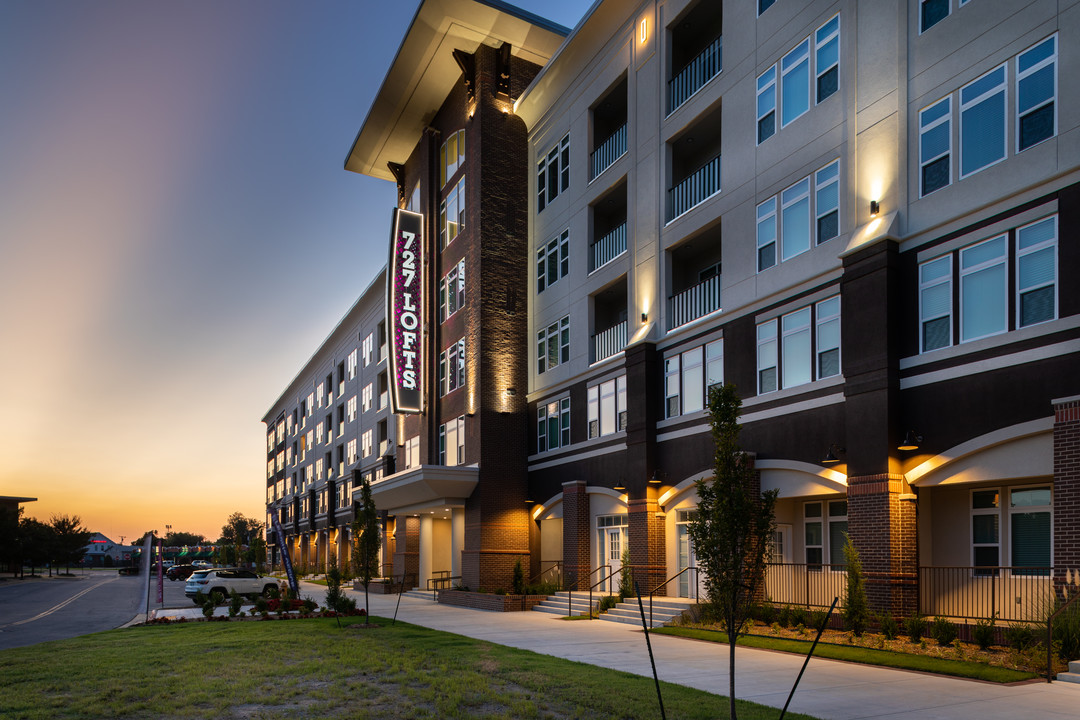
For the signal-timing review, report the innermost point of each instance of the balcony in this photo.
(690, 192)
(607, 153)
(699, 71)
(694, 302)
(608, 248)
(609, 342)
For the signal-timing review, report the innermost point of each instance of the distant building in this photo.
(103, 552)
(9, 509)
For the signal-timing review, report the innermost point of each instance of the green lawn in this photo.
(313, 669)
(869, 656)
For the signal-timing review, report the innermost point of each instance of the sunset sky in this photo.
(177, 236)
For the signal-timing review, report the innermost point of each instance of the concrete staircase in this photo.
(419, 594)
(663, 609)
(1073, 676)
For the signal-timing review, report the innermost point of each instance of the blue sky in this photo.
(161, 167)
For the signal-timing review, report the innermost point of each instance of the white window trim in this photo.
(818, 214)
(947, 279)
(1053, 242)
(543, 414)
(923, 129)
(964, 272)
(796, 53)
(761, 89)
(1003, 88)
(818, 44)
(795, 199)
(1052, 60)
(1010, 510)
(918, 19)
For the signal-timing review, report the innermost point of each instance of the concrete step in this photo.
(419, 594)
(557, 604)
(1069, 677)
(1074, 666)
(663, 611)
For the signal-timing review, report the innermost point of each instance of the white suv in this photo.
(222, 580)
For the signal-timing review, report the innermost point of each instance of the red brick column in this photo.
(882, 525)
(576, 534)
(407, 548)
(1066, 485)
(646, 541)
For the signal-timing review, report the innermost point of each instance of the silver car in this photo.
(222, 580)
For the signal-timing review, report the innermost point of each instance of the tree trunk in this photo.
(731, 674)
(367, 606)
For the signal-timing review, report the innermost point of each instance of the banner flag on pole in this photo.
(285, 559)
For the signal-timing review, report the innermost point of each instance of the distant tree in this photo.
(179, 539)
(257, 551)
(732, 527)
(365, 532)
(11, 552)
(237, 531)
(37, 540)
(71, 539)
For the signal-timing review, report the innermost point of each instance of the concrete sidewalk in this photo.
(829, 689)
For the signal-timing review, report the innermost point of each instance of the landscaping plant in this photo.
(983, 632)
(915, 627)
(365, 551)
(856, 606)
(943, 631)
(518, 578)
(626, 576)
(733, 526)
(889, 627)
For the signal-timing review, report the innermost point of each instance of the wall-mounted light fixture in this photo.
(643, 30)
(511, 392)
(831, 455)
(911, 441)
(620, 486)
(875, 208)
(655, 479)
(530, 501)
(644, 317)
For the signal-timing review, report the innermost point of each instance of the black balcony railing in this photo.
(1013, 594)
(608, 248)
(703, 68)
(609, 151)
(694, 302)
(694, 189)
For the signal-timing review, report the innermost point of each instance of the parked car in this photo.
(130, 570)
(222, 580)
(180, 572)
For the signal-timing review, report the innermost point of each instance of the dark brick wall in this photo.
(1067, 485)
(576, 534)
(646, 543)
(883, 528)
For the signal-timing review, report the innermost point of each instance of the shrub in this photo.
(544, 588)
(799, 616)
(626, 576)
(1067, 633)
(943, 631)
(309, 605)
(517, 580)
(1020, 636)
(200, 598)
(983, 632)
(915, 627)
(262, 605)
(607, 602)
(856, 606)
(889, 627)
(816, 618)
(235, 601)
(209, 605)
(766, 612)
(783, 617)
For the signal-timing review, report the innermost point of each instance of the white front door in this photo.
(691, 582)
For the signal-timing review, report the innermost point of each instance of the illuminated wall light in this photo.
(643, 30)
(875, 208)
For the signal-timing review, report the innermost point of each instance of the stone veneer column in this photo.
(646, 542)
(576, 533)
(407, 547)
(1066, 520)
(882, 525)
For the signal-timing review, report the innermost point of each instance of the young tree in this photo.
(365, 531)
(856, 605)
(733, 526)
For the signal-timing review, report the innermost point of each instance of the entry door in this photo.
(611, 549)
(691, 583)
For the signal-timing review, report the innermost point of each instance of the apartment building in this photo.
(862, 214)
(329, 427)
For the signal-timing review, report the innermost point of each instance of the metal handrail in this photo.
(558, 564)
(604, 579)
(570, 593)
(436, 583)
(673, 577)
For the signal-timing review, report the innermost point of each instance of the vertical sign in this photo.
(405, 311)
(285, 559)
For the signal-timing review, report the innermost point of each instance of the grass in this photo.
(868, 656)
(311, 668)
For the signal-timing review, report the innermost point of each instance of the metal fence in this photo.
(699, 185)
(694, 302)
(1013, 594)
(609, 151)
(807, 585)
(608, 247)
(700, 70)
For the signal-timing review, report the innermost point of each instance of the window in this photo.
(553, 173)
(607, 407)
(982, 122)
(368, 348)
(824, 536)
(553, 261)
(794, 229)
(931, 12)
(553, 345)
(827, 337)
(319, 433)
(452, 291)
(689, 377)
(366, 396)
(366, 443)
(935, 304)
(795, 219)
(452, 442)
(452, 214)
(935, 146)
(827, 60)
(412, 452)
(351, 363)
(1036, 272)
(319, 469)
(766, 234)
(350, 409)
(827, 201)
(985, 530)
(764, 5)
(983, 289)
(350, 451)
(451, 156)
(795, 83)
(452, 367)
(795, 360)
(553, 425)
(1030, 528)
(1036, 88)
(766, 105)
